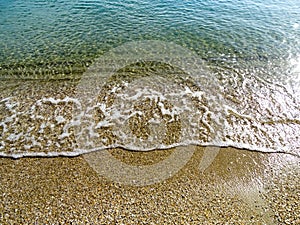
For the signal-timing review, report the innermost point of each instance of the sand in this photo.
(238, 187)
(197, 186)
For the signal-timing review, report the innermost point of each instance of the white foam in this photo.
(103, 124)
(198, 113)
(60, 119)
(14, 137)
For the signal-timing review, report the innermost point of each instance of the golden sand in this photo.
(239, 187)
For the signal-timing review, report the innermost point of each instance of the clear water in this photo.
(57, 33)
(248, 50)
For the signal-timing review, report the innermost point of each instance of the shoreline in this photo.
(240, 187)
(183, 185)
(55, 102)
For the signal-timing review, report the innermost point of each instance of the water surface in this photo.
(246, 93)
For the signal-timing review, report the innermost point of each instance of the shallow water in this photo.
(148, 74)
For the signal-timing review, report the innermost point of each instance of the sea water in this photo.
(79, 76)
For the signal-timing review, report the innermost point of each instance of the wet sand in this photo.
(238, 187)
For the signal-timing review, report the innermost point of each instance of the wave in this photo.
(144, 96)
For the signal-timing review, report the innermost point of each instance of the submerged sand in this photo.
(238, 187)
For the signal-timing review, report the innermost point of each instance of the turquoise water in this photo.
(148, 74)
(61, 34)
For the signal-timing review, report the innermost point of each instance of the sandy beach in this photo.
(150, 112)
(239, 187)
(185, 185)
